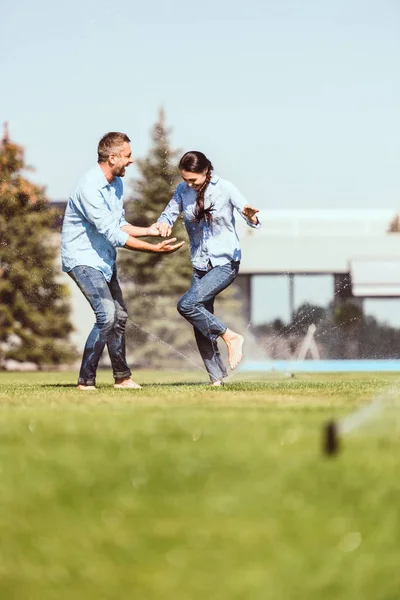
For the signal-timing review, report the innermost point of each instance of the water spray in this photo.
(333, 430)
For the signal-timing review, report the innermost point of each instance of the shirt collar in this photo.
(101, 177)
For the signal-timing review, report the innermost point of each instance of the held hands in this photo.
(168, 246)
(153, 230)
(165, 247)
(250, 213)
(164, 229)
(159, 229)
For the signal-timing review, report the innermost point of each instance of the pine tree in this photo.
(34, 314)
(153, 283)
(151, 193)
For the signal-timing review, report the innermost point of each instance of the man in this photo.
(94, 226)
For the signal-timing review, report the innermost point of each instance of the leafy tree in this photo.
(342, 332)
(153, 283)
(349, 318)
(394, 225)
(379, 340)
(34, 314)
(306, 315)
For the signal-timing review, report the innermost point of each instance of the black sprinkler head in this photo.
(330, 439)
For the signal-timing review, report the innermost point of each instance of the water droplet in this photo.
(350, 542)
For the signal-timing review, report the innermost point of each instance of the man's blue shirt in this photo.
(217, 242)
(92, 224)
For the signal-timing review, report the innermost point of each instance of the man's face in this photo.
(120, 161)
(194, 180)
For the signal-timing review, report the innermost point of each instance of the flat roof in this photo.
(317, 242)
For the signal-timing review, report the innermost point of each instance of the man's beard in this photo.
(120, 172)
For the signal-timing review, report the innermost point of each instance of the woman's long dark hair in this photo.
(197, 162)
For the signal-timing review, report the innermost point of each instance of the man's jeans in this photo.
(111, 316)
(197, 306)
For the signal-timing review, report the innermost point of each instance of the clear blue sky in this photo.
(296, 102)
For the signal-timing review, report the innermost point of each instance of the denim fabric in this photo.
(107, 302)
(216, 242)
(197, 306)
(92, 224)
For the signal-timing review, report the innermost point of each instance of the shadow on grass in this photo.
(110, 385)
(57, 385)
(175, 384)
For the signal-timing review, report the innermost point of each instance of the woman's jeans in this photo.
(111, 316)
(197, 306)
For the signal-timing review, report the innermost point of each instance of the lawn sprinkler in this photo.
(330, 439)
(333, 430)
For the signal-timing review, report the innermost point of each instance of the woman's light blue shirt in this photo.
(216, 243)
(92, 224)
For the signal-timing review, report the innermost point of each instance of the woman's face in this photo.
(194, 180)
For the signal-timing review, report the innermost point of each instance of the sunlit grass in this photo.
(182, 491)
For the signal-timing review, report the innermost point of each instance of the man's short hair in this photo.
(111, 143)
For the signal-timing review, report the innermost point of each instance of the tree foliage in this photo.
(394, 225)
(343, 332)
(153, 283)
(34, 313)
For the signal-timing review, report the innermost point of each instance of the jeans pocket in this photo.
(233, 268)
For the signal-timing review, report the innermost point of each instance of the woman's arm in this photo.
(248, 212)
(171, 212)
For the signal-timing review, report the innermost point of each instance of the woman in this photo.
(208, 203)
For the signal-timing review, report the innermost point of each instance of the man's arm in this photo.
(97, 213)
(165, 247)
(92, 206)
(140, 231)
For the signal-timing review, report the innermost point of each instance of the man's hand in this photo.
(250, 213)
(168, 246)
(165, 247)
(164, 229)
(153, 230)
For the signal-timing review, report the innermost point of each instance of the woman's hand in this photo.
(164, 229)
(153, 230)
(250, 213)
(168, 246)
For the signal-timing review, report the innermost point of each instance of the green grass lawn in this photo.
(180, 491)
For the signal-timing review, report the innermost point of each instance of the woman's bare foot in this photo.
(217, 383)
(234, 342)
(126, 384)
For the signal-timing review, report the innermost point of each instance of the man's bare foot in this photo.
(86, 388)
(234, 342)
(126, 384)
(217, 383)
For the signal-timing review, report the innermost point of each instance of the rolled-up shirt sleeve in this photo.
(239, 202)
(173, 208)
(96, 211)
(123, 221)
